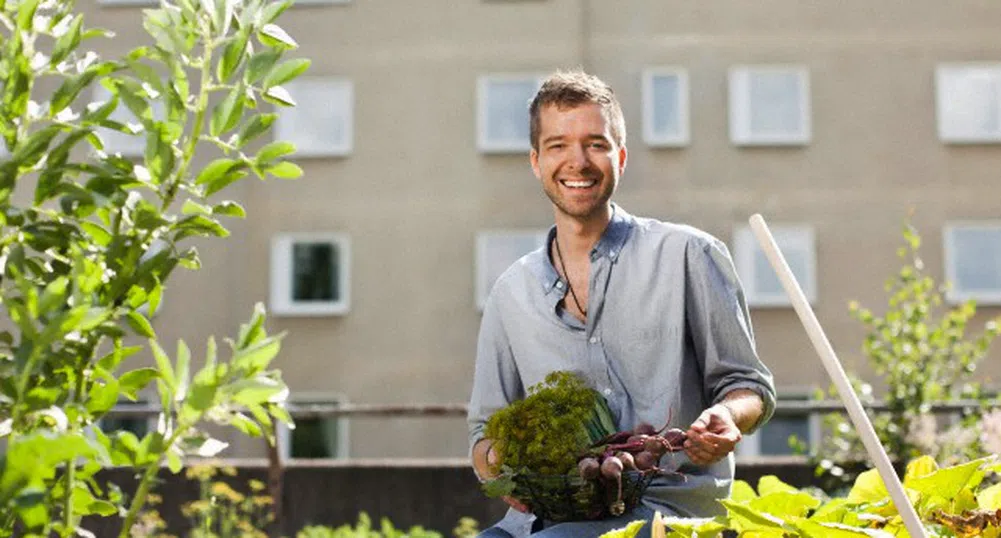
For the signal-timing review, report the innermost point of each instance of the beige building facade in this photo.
(832, 119)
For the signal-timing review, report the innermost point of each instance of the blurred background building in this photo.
(832, 119)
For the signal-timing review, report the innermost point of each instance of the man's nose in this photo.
(578, 157)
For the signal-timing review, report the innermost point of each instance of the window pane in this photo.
(314, 438)
(774, 103)
(319, 123)
(774, 435)
(766, 282)
(314, 274)
(972, 102)
(666, 89)
(507, 110)
(978, 259)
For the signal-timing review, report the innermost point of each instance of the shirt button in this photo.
(607, 392)
(594, 339)
(559, 284)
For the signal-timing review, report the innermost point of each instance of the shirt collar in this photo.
(610, 245)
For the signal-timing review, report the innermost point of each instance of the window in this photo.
(973, 261)
(502, 112)
(761, 285)
(773, 438)
(118, 142)
(322, 122)
(496, 250)
(769, 106)
(968, 103)
(310, 274)
(314, 437)
(665, 107)
(138, 425)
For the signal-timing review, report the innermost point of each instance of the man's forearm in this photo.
(745, 406)
(481, 464)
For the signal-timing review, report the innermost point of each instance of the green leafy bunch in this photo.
(545, 432)
(961, 501)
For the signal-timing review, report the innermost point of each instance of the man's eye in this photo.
(556, 146)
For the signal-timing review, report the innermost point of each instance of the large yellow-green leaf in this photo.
(919, 467)
(744, 518)
(868, 488)
(742, 491)
(769, 484)
(948, 482)
(785, 504)
(990, 498)
(629, 531)
(836, 530)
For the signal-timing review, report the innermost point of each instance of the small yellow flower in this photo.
(256, 485)
(223, 489)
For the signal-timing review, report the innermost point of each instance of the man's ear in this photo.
(533, 158)
(622, 159)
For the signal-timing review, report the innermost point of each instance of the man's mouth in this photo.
(578, 184)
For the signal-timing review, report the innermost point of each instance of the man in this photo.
(651, 314)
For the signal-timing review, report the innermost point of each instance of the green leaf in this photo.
(67, 42)
(499, 487)
(140, 324)
(244, 424)
(224, 181)
(272, 152)
(748, 519)
(255, 127)
(255, 391)
(103, 396)
(274, 36)
(230, 209)
(164, 366)
(273, 9)
(215, 170)
(192, 207)
(199, 225)
(949, 481)
(183, 369)
(260, 65)
(742, 491)
(257, 357)
(279, 96)
(226, 114)
(174, 462)
(989, 498)
(285, 72)
(285, 170)
(96, 232)
(133, 381)
(233, 55)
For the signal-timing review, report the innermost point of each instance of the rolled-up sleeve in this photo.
(720, 325)
(496, 382)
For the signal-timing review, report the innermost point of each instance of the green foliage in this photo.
(545, 432)
(958, 501)
(922, 357)
(365, 529)
(85, 261)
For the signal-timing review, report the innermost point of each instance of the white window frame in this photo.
(281, 302)
(750, 445)
(741, 133)
(651, 137)
(745, 248)
(483, 141)
(283, 435)
(952, 294)
(944, 78)
(483, 239)
(129, 147)
(284, 131)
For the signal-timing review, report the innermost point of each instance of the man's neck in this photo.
(577, 236)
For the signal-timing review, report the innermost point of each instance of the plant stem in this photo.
(140, 498)
(68, 528)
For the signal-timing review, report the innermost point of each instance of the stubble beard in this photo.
(576, 211)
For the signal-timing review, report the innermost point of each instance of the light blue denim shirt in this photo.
(668, 334)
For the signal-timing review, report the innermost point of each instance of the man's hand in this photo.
(712, 436)
(485, 460)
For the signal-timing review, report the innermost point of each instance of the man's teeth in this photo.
(578, 184)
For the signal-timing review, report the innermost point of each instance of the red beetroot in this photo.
(589, 468)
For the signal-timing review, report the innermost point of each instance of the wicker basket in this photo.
(560, 498)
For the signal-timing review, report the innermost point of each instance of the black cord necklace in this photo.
(567, 276)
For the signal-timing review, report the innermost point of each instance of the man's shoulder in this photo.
(520, 274)
(660, 231)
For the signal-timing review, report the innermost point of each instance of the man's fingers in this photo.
(516, 504)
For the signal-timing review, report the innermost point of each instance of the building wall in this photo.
(415, 190)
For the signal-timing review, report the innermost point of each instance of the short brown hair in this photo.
(569, 89)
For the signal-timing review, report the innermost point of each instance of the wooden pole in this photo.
(838, 376)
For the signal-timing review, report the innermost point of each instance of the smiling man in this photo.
(650, 313)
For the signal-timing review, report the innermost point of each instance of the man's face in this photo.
(578, 161)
